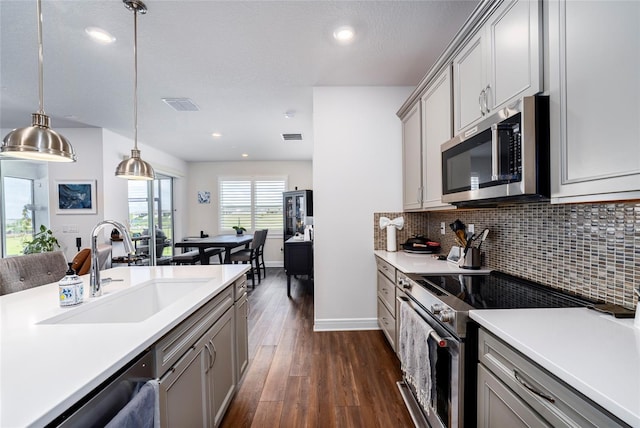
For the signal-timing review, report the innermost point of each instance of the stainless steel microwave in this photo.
(505, 158)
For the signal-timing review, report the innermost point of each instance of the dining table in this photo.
(228, 242)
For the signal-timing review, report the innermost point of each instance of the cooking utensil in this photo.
(482, 237)
(461, 236)
(457, 225)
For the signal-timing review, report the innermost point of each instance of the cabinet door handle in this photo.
(213, 359)
(547, 397)
(210, 357)
(480, 102)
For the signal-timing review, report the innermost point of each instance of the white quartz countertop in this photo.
(425, 263)
(46, 368)
(596, 354)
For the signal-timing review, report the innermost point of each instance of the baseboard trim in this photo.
(347, 324)
(274, 264)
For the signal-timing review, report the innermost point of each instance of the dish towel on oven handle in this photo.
(416, 354)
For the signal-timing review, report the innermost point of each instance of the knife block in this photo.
(471, 259)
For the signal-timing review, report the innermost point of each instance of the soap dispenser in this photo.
(71, 288)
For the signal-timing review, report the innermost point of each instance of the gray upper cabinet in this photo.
(411, 159)
(470, 81)
(499, 64)
(436, 130)
(594, 83)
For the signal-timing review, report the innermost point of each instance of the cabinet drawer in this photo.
(171, 347)
(387, 269)
(555, 401)
(387, 292)
(387, 323)
(240, 287)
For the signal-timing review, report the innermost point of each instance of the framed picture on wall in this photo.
(76, 197)
(204, 197)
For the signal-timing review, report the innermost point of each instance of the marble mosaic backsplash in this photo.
(589, 249)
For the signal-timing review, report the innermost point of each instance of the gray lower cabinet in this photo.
(386, 274)
(498, 406)
(196, 363)
(513, 391)
(220, 374)
(242, 336)
(183, 393)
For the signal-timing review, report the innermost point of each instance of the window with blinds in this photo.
(253, 203)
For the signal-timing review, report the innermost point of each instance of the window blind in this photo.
(251, 202)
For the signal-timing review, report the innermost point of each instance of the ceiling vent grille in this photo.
(181, 104)
(291, 137)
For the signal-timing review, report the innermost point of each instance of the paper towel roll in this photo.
(391, 238)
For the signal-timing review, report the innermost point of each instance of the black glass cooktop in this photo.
(501, 291)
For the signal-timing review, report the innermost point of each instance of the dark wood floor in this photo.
(298, 378)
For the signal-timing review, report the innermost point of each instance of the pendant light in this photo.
(135, 168)
(38, 141)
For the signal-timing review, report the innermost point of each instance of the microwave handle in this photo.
(495, 153)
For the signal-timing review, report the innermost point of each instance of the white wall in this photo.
(87, 143)
(357, 170)
(204, 176)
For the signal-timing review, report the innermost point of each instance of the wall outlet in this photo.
(70, 228)
(471, 228)
(442, 228)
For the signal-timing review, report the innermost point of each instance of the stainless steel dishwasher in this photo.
(101, 405)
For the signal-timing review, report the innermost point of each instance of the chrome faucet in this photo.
(94, 278)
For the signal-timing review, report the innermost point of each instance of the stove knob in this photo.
(447, 316)
(437, 308)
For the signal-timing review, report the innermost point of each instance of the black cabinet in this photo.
(297, 207)
(298, 259)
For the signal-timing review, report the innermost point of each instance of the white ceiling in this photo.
(243, 63)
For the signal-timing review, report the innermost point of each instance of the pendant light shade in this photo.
(38, 141)
(134, 168)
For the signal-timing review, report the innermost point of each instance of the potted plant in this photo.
(42, 242)
(239, 229)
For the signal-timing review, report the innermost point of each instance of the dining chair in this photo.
(261, 263)
(250, 255)
(31, 270)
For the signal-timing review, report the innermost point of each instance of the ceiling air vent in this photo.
(181, 104)
(291, 137)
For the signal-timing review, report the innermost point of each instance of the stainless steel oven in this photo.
(444, 406)
(440, 306)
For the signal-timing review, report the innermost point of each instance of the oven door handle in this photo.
(442, 343)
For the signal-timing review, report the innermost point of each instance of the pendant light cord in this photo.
(40, 59)
(135, 79)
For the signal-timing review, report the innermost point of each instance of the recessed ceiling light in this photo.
(99, 35)
(245, 155)
(344, 34)
(289, 114)
(216, 135)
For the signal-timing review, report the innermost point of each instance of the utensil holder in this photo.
(471, 259)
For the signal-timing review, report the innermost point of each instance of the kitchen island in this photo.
(48, 363)
(595, 354)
